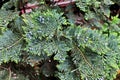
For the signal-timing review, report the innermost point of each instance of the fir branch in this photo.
(84, 58)
(10, 46)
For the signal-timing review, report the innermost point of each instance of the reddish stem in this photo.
(65, 3)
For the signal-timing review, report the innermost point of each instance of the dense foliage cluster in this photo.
(48, 44)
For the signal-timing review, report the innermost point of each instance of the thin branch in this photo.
(64, 3)
(85, 59)
(14, 43)
(10, 73)
(10, 46)
(3, 67)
